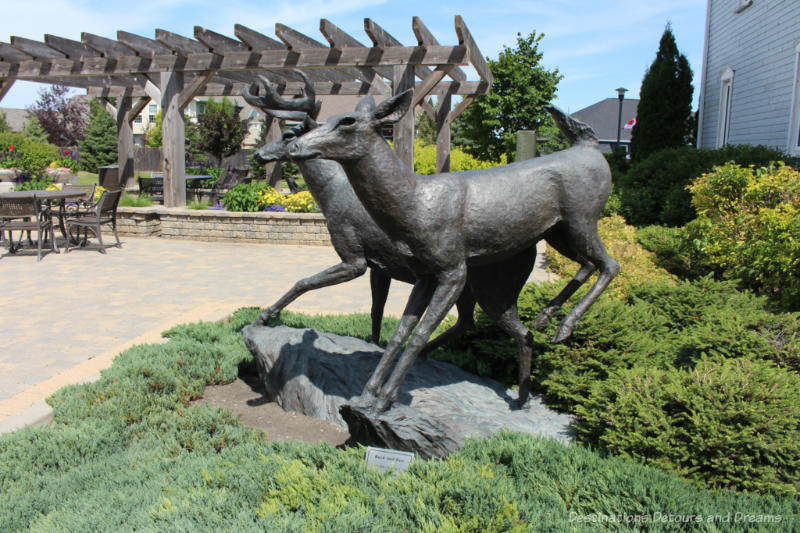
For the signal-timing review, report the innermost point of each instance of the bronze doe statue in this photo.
(360, 243)
(451, 221)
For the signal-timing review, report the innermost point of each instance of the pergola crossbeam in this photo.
(172, 69)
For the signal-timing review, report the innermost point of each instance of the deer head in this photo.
(351, 136)
(303, 109)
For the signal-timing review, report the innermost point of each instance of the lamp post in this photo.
(621, 92)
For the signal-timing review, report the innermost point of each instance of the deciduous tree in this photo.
(220, 131)
(63, 118)
(521, 88)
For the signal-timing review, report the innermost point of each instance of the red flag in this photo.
(630, 124)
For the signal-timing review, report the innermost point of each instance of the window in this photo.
(725, 98)
(199, 108)
(151, 112)
(794, 121)
(139, 119)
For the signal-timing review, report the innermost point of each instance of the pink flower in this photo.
(11, 147)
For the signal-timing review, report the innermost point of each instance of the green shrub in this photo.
(198, 205)
(653, 191)
(27, 154)
(673, 251)
(128, 453)
(425, 159)
(725, 423)
(748, 227)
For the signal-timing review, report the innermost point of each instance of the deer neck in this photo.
(383, 183)
(324, 179)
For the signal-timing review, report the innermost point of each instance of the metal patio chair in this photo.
(26, 214)
(104, 212)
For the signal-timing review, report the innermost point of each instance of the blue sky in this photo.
(597, 46)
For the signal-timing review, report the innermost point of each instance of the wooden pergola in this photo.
(172, 70)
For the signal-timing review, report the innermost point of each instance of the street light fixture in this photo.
(621, 92)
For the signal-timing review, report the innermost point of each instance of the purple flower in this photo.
(273, 207)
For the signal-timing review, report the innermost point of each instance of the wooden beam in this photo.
(443, 130)
(71, 49)
(428, 108)
(5, 86)
(151, 89)
(382, 39)
(180, 44)
(426, 38)
(105, 47)
(142, 45)
(462, 105)
(255, 40)
(354, 88)
(136, 108)
(216, 42)
(475, 57)
(193, 89)
(338, 39)
(9, 54)
(422, 90)
(39, 51)
(320, 59)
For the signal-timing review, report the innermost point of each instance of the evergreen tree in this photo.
(521, 88)
(665, 102)
(99, 147)
(34, 131)
(4, 127)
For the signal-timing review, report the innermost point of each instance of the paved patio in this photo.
(66, 317)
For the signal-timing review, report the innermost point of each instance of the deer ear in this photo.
(393, 109)
(366, 104)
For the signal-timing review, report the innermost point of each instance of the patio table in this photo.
(60, 196)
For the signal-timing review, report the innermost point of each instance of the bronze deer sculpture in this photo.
(360, 243)
(453, 221)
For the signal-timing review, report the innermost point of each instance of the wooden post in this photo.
(274, 169)
(404, 128)
(443, 134)
(526, 145)
(124, 141)
(173, 138)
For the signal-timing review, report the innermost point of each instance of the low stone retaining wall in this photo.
(211, 225)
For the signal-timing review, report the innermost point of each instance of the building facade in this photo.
(750, 85)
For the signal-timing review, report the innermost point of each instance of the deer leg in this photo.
(379, 284)
(417, 302)
(608, 270)
(330, 276)
(564, 246)
(466, 308)
(448, 289)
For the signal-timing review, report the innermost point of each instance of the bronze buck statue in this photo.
(451, 222)
(361, 243)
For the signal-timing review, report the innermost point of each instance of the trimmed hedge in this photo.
(653, 191)
(128, 453)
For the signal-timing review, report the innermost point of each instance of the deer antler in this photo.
(277, 106)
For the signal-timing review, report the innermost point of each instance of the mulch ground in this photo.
(246, 398)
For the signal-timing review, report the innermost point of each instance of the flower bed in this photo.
(217, 225)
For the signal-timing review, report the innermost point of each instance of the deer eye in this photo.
(346, 121)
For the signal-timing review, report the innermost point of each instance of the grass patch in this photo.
(130, 200)
(128, 453)
(198, 204)
(87, 178)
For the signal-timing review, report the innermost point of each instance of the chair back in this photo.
(88, 190)
(107, 204)
(19, 207)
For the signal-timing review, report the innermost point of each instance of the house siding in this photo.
(758, 43)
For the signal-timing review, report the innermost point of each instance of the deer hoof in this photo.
(266, 316)
(543, 318)
(562, 333)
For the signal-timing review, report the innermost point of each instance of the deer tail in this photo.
(574, 130)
